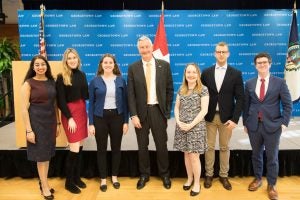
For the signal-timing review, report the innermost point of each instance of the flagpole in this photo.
(162, 7)
(42, 43)
(42, 8)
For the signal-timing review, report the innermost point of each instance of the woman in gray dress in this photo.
(190, 135)
(40, 118)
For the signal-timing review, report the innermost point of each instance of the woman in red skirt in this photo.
(72, 91)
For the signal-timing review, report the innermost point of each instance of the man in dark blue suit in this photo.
(264, 120)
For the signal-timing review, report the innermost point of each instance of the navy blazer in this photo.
(277, 94)
(230, 97)
(137, 89)
(97, 93)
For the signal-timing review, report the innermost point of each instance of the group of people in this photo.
(207, 104)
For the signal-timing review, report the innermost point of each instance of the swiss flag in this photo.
(160, 47)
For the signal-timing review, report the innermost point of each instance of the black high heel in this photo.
(51, 189)
(50, 197)
(103, 188)
(116, 185)
(187, 187)
(192, 193)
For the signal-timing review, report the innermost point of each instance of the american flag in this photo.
(42, 43)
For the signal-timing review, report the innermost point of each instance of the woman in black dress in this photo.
(40, 118)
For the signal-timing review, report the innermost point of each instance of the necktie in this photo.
(148, 80)
(262, 90)
(261, 96)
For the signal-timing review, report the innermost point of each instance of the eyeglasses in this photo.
(262, 62)
(221, 52)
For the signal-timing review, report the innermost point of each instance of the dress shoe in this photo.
(103, 188)
(50, 197)
(71, 187)
(225, 182)
(187, 187)
(272, 192)
(142, 182)
(166, 182)
(208, 181)
(255, 184)
(79, 183)
(192, 193)
(51, 189)
(116, 185)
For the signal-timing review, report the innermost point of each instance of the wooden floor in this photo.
(27, 189)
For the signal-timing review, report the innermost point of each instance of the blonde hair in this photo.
(222, 44)
(184, 86)
(67, 71)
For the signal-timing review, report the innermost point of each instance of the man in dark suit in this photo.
(150, 95)
(264, 121)
(226, 95)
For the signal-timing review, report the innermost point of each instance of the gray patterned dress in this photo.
(193, 141)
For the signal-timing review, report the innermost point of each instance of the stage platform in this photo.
(13, 160)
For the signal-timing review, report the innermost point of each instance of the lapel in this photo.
(212, 78)
(158, 74)
(226, 78)
(271, 82)
(140, 73)
(252, 86)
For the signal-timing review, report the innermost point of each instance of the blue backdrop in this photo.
(192, 36)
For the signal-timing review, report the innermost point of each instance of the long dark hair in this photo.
(116, 70)
(31, 73)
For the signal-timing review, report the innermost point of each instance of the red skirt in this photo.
(78, 112)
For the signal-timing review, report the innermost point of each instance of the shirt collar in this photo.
(152, 61)
(221, 67)
(266, 78)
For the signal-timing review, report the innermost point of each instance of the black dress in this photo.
(42, 119)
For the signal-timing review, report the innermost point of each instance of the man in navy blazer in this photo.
(226, 95)
(150, 101)
(264, 120)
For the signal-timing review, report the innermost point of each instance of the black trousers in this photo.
(157, 122)
(110, 124)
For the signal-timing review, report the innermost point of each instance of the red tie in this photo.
(261, 97)
(262, 90)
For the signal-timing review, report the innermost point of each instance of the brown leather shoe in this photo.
(255, 184)
(208, 181)
(272, 192)
(225, 182)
